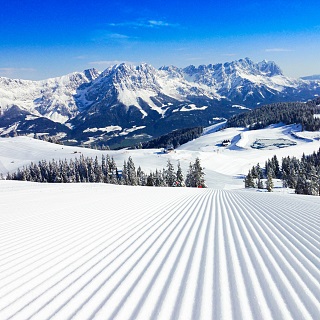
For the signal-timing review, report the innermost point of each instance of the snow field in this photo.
(96, 251)
(224, 167)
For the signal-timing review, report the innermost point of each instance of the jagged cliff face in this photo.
(52, 98)
(125, 97)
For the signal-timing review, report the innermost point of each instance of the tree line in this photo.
(176, 138)
(287, 113)
(87, 169)
(302, 175)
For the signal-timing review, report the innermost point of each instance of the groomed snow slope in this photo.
(96, 251)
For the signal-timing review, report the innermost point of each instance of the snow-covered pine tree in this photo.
(104, 168)
(276, 167)
(141, 177)
(260, 183)
(195, 175)
(189, 177)
(254, 172)
(269, 182)
(92, 177)
(180, 178)
(169, 175)
(124, 176)
(199, 174)
(301, 186)
(158, 179)
(150, 180)
(109, 167)
(114, 172)
(97, 171)
(249, 181)
(131, 172)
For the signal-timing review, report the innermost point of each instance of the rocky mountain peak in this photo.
(270, 68)
(91, 74)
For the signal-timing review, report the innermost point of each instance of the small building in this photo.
(169, 148)
(226, 143)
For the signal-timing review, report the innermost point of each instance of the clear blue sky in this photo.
(47, 38)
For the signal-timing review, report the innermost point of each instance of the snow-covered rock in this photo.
(52, 98)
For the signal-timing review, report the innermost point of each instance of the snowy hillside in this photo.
(224, 166)
(95, 251)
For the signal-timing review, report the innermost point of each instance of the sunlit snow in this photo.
(99, 251)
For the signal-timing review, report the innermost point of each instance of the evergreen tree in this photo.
(260, 183)
(150, 180)
(195, 175)
(91, 175)
(97, 168)
(249, 181)
(301, 186)
(313, 182)
(158, 179)
(254, 172)
(189, 178)
(259, 171)
(104, 168)
(180, 178)
(276, 167)
(124, 176)
(269, 182)
(114, 172)
(131, 173)
(170, 176)
(199, 174)
(141, 177)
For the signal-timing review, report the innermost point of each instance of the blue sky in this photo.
(41, 39)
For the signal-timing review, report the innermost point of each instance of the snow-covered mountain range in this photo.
(131, 101)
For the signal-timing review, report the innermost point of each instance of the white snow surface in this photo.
(240, 107)
(105, 129)
(98, 251)
(192, 107)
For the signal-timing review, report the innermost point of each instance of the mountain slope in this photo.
(93, 106)
(81, 251)
(249, 83)
(52, 98)
(225, 167)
